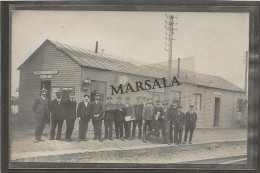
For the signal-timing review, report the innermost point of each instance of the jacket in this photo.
(130, 111)
(109, 109)
(191, 119)
(138, 111)
(57, 110)
(179, 121)
(41, 108)
(148, 112)
(84, 112)
(96, 108)
(166, 114)
(70, 110)
(120, 112)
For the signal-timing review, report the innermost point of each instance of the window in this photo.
(240, 104)
(176, 95)
(197, 101)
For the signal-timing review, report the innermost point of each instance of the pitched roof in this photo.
(111, 62)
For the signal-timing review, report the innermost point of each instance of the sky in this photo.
(216, 41)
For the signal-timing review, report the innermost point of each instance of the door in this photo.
(46, 85)
(216, 113)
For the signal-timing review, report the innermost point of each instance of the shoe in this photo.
(84, 140)
(190, 142)
(36, 141)
(169, 143)
(67, 140)
(100, 140)
(110, 139)
(122, 139)
(58, 139)
(184, 143)
(41, 140)
(78, 140)
(51, 139)
(117, 137)
(128, 139)
(94, 138)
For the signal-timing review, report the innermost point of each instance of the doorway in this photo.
(46, 85)
(217, 111)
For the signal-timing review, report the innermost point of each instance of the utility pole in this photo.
(169, 22)
(246, 70)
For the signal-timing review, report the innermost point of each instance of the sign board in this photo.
(45, 76)
(45, 72)
(217, 93)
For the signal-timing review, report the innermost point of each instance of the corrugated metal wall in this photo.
(48, 59)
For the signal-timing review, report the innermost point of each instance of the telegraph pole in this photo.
(169, 22)
(246, 70)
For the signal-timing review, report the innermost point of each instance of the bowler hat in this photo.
(44, 90)
(96, 94)
(179, 107)
(86, 95)
(191, 106)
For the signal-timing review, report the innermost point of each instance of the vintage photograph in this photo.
(129, 87)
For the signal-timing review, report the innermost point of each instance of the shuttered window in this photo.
(197, 101)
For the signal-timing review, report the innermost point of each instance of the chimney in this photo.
(96, 50)
(178, 72)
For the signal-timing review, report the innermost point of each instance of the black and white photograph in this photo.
(136, 87)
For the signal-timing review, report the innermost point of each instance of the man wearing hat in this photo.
(109, 110)
(41, 111)
(129, 109)
(138, 121)
(166, 117)
(70, 115)
(84, 115)
(191, 120)
(119, 118)
(57, 116)
(179, 124)
(97, 116)
(173, 109)
(147, 116)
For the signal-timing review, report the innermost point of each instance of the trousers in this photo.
(119, 128)
(69, 129)
(83, 128)
(97, 124)
(127, 126)
(54, 123)
(187, 130)
(108, 128)
(40, 125)
(140, 124)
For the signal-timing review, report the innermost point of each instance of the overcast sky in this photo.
(215, 40)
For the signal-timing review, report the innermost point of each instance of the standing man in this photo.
(157, 110)
(138, 121)
(148, 117)
(179, 124)
(119, 118)
(97, 116)
(191, 120)
(41, 111)
(57, 116)
(129, 109)
(173, 109)
(166, 116)
(84, 115)
(109, 110)
(70, 115)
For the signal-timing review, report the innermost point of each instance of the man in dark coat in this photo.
(130, 112)
(84, 115)
(41, 109)
(147, 116)
(166, 116)
(97, 117)
(173, 109)
(70, 115)
(57, 116)
(109, 109)
(179, 124)
(119, 118)
(191, 120)
(138, 121)
(157, 110)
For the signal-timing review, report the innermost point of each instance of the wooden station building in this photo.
(56, 66)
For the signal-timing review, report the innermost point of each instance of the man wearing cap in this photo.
(70, 115)
(84, 115)
(57, 116)
(129, 109)
(147, 116)
(109, 110)
(191, 120)
(173, 109)
(166, 116)
(97, 116)
(179, 124)
(119, 118)
(41, 111)
(158, 109)
(138, 121)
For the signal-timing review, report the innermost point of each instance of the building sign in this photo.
(45, 72)
(217, 93)
(45, 76)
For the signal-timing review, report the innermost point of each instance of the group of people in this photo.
(150, 119)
